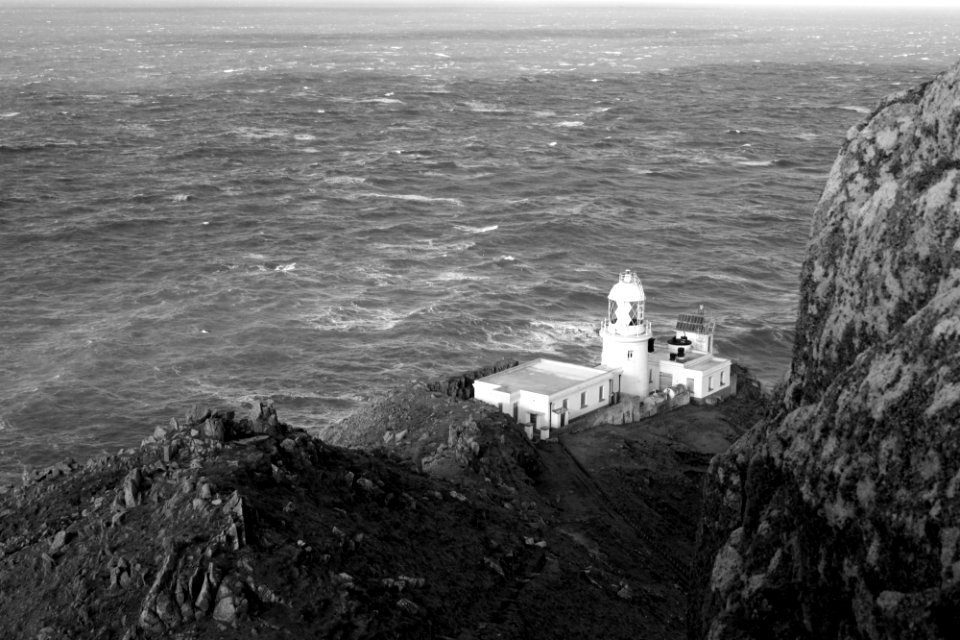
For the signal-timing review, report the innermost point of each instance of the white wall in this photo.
(615, 352)
(701, 379)
(529, 401)
(536, 403)
(491, 394)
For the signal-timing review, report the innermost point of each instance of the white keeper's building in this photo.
(548, 393)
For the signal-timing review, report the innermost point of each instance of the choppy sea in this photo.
(312, 205)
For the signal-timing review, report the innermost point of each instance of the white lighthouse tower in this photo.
(627, 335)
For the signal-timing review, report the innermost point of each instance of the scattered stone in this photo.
(213, 429)
(408, 605)
(226, 607)
(131, 488)
(197, 414)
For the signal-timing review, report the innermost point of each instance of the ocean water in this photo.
(313, 205)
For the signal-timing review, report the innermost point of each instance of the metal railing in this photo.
(630, 330)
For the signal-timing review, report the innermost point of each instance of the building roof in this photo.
(698, 361)
(628, 288)
(703, 364)
(544, 376)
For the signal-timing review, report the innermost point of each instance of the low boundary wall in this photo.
(634, 408)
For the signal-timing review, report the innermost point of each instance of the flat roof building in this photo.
(548, 393)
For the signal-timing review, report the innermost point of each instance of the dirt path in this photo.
(630, 496)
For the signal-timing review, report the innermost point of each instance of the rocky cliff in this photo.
(839, 516)
(442, 521)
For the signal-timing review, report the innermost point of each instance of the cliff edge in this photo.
(838, 516)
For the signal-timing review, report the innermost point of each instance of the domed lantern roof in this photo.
(628, 288)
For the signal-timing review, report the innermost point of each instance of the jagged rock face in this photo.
(840, 516)
(884, 240)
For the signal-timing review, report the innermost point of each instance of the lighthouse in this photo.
(627, 335)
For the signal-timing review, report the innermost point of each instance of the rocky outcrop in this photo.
(430, 425)
(241, 527)
(461, 386)
(839, 516)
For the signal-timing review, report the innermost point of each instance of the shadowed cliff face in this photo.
(840, 516)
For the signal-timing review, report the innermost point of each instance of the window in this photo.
(564, 403)
(500, 407)
(629, 355)
(710, 383)
(533, 419)
(723, 382)
(516, 411)
(651, 377)
(601, 393)
(583, 399)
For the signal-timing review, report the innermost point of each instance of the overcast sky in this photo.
(814, 4)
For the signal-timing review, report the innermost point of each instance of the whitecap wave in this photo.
(553, 337)
(570, 123)
(180, 197)
(9, 114)
(429, 249)
(383, 101)
(353, 317)
(304, 137)
(344, 180)
(487, 229)
(856, 108)
(413, 197)
(755, 163)
(284, 268)
(458, 276)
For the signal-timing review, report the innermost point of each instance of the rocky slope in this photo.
(839, 516)
(225, 527)
(443, 522)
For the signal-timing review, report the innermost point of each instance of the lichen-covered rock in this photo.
(430, 424)
(839, 516)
